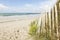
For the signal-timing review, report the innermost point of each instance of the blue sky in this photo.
(24, 6)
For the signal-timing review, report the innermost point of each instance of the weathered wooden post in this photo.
(46, 24)
(52, 24)
(56, 19)
(49, 23)
(59, 19)
(41, 26)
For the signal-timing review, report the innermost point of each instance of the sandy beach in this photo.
(15, 27)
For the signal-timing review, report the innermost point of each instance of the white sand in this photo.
(15, 27)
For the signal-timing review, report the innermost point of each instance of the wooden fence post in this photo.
(50, 23)
(56, 16)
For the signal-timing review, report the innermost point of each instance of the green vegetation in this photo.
(33, 28)
(38, 35)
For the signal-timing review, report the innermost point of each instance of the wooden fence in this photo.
(52, 22)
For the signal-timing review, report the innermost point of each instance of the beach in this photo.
(15, 27)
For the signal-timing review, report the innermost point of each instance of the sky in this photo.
(25, 6)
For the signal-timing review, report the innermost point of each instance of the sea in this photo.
(18, 16)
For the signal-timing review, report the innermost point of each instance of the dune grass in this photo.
(33, 28)
(37, 36)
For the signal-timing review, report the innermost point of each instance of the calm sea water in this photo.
(20, 16)
(13, 14)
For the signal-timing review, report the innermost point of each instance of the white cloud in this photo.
(44, 6)
(28, 5)
(47, 5)
(3, 7)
